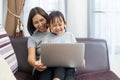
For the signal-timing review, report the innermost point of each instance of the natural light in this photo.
(106, 25)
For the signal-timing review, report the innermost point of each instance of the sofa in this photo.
(96, 56)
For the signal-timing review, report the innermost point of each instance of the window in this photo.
(104, 21)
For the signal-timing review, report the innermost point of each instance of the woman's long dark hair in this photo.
(33, 12)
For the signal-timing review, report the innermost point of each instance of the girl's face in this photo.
(39, 23)
(58, 26)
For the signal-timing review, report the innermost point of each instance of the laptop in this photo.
(63, 54)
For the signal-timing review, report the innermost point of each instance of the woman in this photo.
(37, 27)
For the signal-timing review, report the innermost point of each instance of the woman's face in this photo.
(58, 26)
(39, 23)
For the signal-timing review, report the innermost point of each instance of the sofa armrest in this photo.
(96, 55)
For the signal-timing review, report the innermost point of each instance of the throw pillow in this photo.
(6, 50)
(6, 73)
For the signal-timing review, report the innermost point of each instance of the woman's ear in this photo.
(47, 25)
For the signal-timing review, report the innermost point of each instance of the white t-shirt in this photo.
(35, 41)
(66, 37)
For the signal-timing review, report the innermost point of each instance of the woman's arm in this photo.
(32, 60)
(31, 56)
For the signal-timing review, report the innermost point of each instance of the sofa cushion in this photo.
(23, 76)
(6, 50)
(5, 69)
(103, 75)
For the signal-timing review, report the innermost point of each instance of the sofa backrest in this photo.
(96, 55)
(20, 48)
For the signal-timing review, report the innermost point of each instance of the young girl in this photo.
(59, 34)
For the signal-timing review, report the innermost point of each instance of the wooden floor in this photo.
(115, 64)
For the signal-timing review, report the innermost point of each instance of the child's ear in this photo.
(65, 22)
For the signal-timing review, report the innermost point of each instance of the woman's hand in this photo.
(39, 66)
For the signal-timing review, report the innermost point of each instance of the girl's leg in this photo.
(69, 74)
(59, 73)
(44, 75)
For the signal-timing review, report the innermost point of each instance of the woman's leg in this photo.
(69, 74)
(44, 75)
(59, 73)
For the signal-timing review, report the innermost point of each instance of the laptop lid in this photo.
(63, 54)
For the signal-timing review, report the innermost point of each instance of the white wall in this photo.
(77, 17)
(5, 5)
(1, 11)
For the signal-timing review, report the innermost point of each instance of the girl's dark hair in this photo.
(55, 14)
(33, 12)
